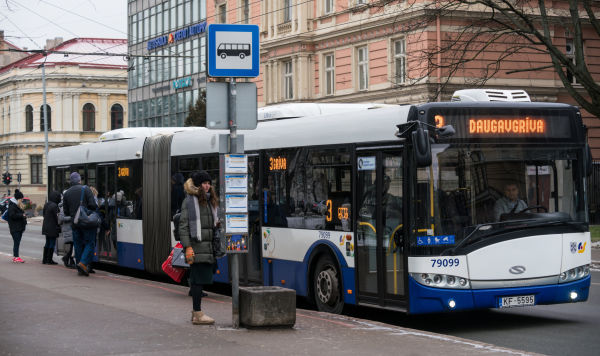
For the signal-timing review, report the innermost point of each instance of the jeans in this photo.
(84, 242)
(50, 242)
(16, 235)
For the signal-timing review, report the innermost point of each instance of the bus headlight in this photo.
(441, 280)
(574, 274)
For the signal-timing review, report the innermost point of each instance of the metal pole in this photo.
(7, 187)
(45, 108)
(235, 273)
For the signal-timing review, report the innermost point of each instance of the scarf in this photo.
(193, 207)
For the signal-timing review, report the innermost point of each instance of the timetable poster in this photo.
(236, 163)
(236, 203)
(236, 183)
(236, 223)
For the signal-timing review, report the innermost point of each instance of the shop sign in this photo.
(176, 36)
(182, 83)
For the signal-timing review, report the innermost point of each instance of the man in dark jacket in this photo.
(50, 226)
(84, 240)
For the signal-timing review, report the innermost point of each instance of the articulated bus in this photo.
(397, 207)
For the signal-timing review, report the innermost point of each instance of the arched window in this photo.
(89, 117)
(42, 117)
(29, 118)
(116, 117)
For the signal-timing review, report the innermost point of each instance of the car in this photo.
(4, 204)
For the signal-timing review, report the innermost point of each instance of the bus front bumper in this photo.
(423, 299)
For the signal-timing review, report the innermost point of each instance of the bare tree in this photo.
(512, 30)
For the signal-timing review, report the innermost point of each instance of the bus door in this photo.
(106, 245)
(379, 229)
(250, 266)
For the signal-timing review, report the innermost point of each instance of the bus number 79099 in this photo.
(444, 262)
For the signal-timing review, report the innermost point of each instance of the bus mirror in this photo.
(421, 147)
(446, 131)
(588, 169)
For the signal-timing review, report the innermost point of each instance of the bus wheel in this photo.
(223, 56)
(326, 287)
(242, 56)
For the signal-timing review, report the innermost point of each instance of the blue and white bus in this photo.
(396, 207)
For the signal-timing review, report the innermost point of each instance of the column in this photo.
(75, 112)
(296, 78)
(15, 110)
(102, 117)
(57, 112)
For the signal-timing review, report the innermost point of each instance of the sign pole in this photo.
(235, 271)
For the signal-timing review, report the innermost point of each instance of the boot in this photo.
(45, 256)
(65, 260)
(49, 259)
(199, 318)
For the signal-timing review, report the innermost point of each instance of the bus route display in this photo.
(544, 124)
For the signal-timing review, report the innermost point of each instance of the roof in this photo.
(80, 45)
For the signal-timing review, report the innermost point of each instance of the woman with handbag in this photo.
(16, 223)
(50, 227)
(198, 218)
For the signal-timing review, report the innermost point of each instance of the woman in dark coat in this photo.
(16, 223)
(50, 227)
(196, 234)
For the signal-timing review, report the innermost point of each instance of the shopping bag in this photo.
(179, 257)
(174, 272)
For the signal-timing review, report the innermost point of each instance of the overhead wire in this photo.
(50, 21)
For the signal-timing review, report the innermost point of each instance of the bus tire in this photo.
(223, 56)
(242, 56)
(327, 286)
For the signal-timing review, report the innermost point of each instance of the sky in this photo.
(28, 23)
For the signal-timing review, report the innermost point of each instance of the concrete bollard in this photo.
(267, 306)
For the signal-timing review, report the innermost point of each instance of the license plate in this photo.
(516, 301)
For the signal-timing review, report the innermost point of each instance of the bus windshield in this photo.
(474, 192)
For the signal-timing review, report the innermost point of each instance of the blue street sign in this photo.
(232, 50)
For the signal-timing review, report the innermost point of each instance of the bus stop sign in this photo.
(232, 51)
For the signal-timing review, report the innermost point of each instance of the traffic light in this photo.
(6, 178)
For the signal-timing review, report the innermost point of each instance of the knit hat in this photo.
(200, 177)
(18, 194)
(75, 178)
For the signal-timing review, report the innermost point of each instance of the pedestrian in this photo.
(198, 217)
(66, 230)
(50, 227)
(83, 238)
(16, 222)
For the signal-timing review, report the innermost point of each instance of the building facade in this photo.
(167, 47)
(374, 51)
(334, 51)
(86, 95)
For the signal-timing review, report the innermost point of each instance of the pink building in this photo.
(384, 51)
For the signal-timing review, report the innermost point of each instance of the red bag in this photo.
(174, 272)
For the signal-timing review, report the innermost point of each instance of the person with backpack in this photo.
(84, 239)
(50, 227)
(197, 220)
(17, 220)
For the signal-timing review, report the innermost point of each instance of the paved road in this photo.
(569, 329)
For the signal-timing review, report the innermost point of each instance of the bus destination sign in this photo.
(517, 125)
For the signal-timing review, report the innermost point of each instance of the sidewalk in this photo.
(50, 310)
